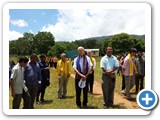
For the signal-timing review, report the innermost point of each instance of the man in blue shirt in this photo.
(32, 77)
(108, 64)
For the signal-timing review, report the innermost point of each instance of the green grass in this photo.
(94, 102)
(69, 102)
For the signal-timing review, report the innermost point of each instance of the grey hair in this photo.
(63, 54)
(89, 51)
(80, 47)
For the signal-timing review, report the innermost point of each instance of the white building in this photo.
(95, 52)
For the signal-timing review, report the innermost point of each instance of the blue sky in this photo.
(35, 18)
(71, 24)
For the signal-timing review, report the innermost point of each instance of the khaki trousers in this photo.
(62, 88)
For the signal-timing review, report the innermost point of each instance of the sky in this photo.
(75, 24)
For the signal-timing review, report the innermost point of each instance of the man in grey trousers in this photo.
(108, 64)
(129, 70)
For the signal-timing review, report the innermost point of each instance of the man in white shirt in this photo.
(17, 82)
(109, 65)
(82, 66)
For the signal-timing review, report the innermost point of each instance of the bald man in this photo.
(82, 66)
(63, 72)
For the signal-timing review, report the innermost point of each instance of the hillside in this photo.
(102, 38)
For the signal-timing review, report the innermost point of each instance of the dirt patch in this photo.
(118, 99)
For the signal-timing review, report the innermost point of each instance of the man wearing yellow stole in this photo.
(129, 70)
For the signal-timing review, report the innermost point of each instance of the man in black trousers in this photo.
(90, 77)
(32, 77)
(45, 73)
(82, 66)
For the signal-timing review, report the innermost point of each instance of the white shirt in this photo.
(81, 63)
(17, 76)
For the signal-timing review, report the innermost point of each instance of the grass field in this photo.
(52, 102)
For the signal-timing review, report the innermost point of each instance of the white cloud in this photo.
(79, 24)
(13, 35)
(19, 23)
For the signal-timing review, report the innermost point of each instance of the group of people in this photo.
(52, 61)
(138, 72)
(29, 78)
(133, 71)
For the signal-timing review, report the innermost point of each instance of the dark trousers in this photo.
(26, 100)
(16, 101)
(123, 82)
(108, 86)
(90, 80)
(139, 79)
(41, 90)
(78, 93)
(32, 91)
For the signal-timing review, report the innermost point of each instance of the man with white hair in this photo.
(82, 66)
(91, 75)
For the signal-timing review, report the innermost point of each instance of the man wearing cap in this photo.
(82, 66)
(18, 86)
(90, 77)
(45, 73)
(129, 70)
(108, 65)
(63, 72)
(32, 77)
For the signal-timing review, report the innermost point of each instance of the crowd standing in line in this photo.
(29, 78)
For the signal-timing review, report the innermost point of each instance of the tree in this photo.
(104, 44)
(70, 46)
(92, 43)
(12, 47)
(20, 46)
(43, 41)
(121, 43)
(61, 47)
(28, 36)
(57, 49)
